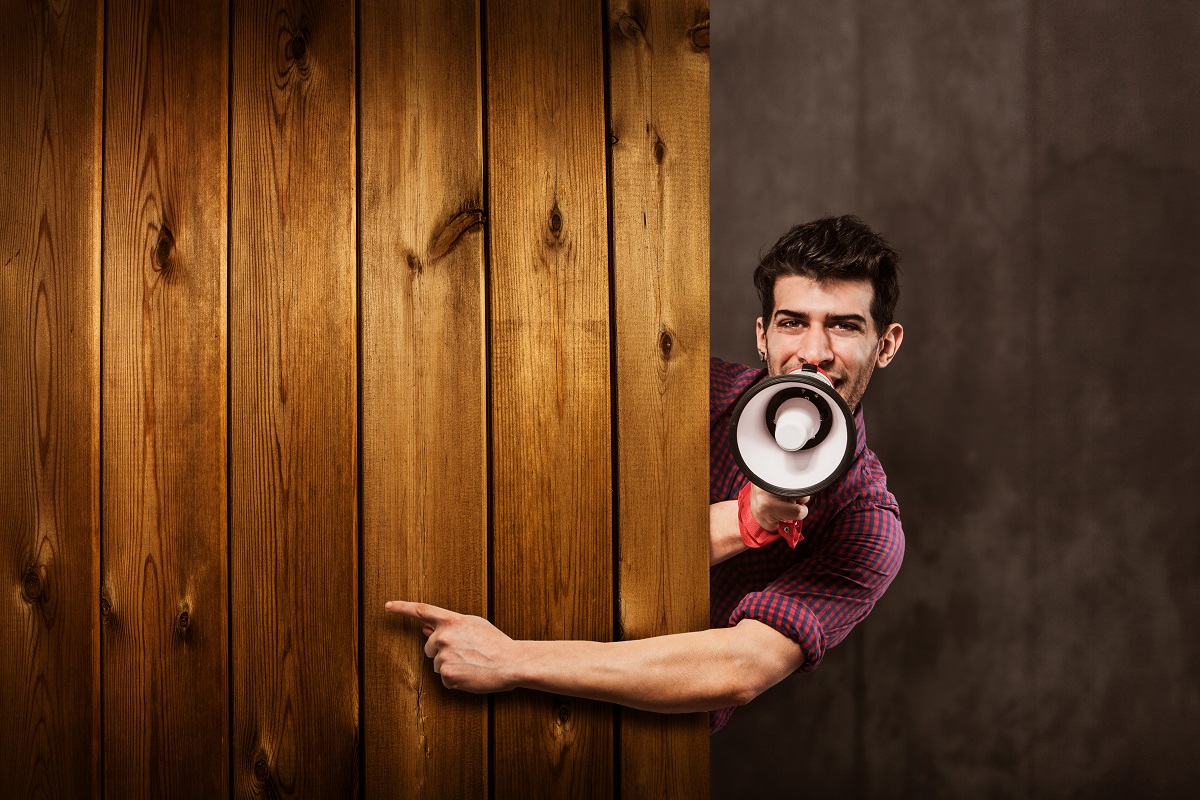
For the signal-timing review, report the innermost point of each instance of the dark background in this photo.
(1036, 165)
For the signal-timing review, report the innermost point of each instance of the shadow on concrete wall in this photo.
(1037, 167)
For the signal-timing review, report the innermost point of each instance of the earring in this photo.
(762, 356)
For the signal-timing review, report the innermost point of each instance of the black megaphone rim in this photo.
(803, 379)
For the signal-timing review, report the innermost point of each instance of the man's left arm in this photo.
(697, 671)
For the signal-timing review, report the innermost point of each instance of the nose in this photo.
(816, 349)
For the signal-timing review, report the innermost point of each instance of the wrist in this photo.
(517, 670)
(752, 532)
(724, 537)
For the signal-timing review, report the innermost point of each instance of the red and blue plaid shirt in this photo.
(851, 551)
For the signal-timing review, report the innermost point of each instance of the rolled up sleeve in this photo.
(819, 600)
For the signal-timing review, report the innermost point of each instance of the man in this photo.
(828, 290)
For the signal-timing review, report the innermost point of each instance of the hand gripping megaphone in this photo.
(793, 435)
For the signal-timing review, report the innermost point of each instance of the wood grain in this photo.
(424, 445)
(166, 720)
(551, 425)
(659, 116)
(50, 118)
(293, 369)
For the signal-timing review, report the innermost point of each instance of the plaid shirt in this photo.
(851, 550)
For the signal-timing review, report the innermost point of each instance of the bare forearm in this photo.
(725, 538)
(698, 671)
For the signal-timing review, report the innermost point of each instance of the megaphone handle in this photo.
(754, 535)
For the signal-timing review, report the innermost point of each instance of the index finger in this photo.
(419, 611)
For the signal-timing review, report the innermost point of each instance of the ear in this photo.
(889, 343)
(760, 335)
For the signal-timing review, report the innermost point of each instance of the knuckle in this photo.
(458, 674)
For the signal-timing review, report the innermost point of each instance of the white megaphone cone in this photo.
(793, 435)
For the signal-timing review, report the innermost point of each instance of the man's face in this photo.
(828, 325)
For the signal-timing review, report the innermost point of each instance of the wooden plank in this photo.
(166, 718)
(424, 444)
(659, 118)
(293, 366)
(551, 437)
(50, 118)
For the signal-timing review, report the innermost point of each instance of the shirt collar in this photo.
(860, 430)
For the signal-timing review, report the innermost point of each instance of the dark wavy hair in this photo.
(833, 249)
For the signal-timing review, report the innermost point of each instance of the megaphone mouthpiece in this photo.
(796, 421)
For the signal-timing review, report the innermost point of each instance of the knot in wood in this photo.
(163, 248)
(262, 772)
(660, 150)
(31, 586)
(106, 609)
(631, 28)
(454, 231)
(665, 343)
(183, 621)
(564, 713)
(698, 35)
(297, 48)
(556, 221)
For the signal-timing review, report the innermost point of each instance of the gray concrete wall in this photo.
(1037, 165)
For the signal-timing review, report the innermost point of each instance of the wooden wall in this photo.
(307, 306)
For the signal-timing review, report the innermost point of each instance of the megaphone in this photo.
(793, 435)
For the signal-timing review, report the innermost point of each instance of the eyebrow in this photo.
(803, 317)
